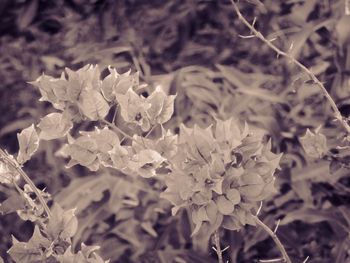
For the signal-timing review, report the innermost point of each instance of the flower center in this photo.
(138, 116)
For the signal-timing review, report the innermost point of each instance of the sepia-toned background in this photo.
(199, 50)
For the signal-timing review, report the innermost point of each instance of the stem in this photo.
(217, 246)
(117, 129)
(26, 178)
(279, 52)
(275, 239)
(150, 131)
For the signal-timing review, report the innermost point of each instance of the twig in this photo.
(306, 259)
(116, 128)
(217, 246)
(277, 225)
(17, 167)
(271, 260)
(273, 235)
(279, 52)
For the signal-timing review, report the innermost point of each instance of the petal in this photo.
(224, 205)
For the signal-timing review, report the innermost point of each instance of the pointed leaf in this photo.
(54, 126)
(93, 105)
(314, 144)
(28, 144)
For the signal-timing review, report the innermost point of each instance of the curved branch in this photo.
(279, 52)
(275, 239)
(26, 178)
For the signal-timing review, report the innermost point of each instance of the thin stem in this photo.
(217, 246)
(279, 52)
(26, 178)
(150, 131)
(270, 260)
(275, 239)
(117, 129)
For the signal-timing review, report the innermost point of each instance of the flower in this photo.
(220, 173)
(134, 109)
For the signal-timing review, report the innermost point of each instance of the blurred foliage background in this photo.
(192, 48)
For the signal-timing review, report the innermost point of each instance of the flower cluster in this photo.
(82, 94)
(221, 173)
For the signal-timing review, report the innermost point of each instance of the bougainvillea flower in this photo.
(226, 170)
(133, 109)
(115, 83)
(162, 106)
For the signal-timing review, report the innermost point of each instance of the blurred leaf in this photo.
(315, 171)
(303, 190)
(13, 203)
(26, 17)
(314, 144)
(15, 125)
(238, 79)
(51, 62)
(81, 192)
(313, 216)
(342, 29)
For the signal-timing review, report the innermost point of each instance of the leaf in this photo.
(83, 191)
(162, 106)
(147, 226)
(54, 126)
(13, 203)
(27, 16)
(93, 105)
(115, 84)
(166, 145)
(229, 132)
(119, 156)
(38, 240)
(35, 250)
(82, 151)
(105, 139)
(63, 224)
(312, 216)
(146, 162)
(52, 90)
(28, 144)
(21, 252)
(342, 30)
(240, 80)
(314, 144)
